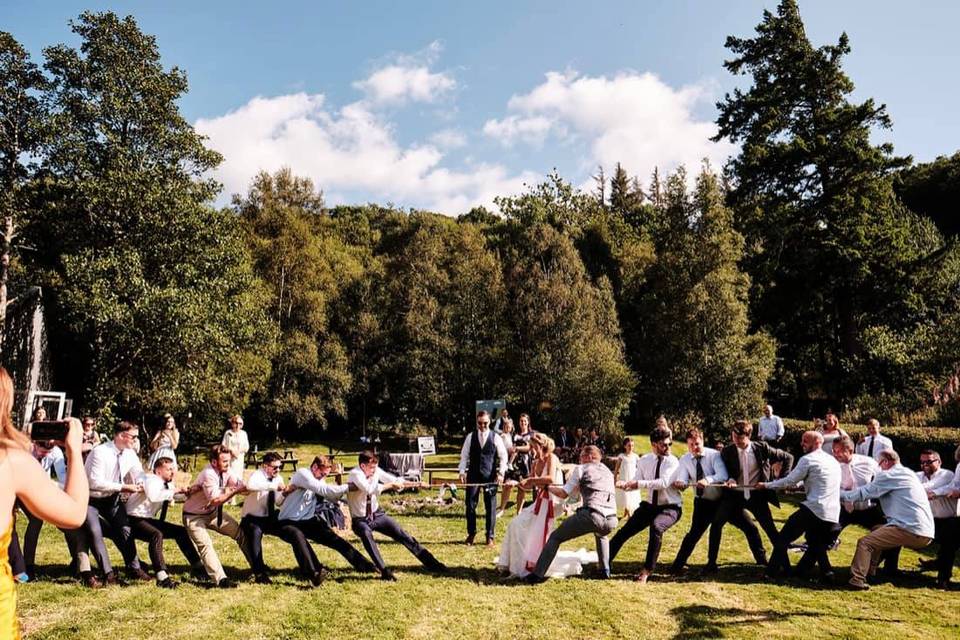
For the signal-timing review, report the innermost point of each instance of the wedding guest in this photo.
(522, 456)
(512, 477)
(748, 463)
(259, 514)
(112, 470)
(663, 505)
(830, 430)
(147, 512)
(874, 443)
(937, 481)
(909, 520)
(595, 485)
(91, 437)
(483, 461)
(701, 467)
(164, 442)
(817, 517)
(625, 470)
(306, 489)
(203, 511)
(22, 478)
(770, 429)
(366, 482)
(235, 441)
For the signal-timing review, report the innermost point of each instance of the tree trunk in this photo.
(4, 275)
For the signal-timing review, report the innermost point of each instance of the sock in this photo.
(161, 576)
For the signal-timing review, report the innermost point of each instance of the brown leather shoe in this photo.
(139, 574)
(90, 581)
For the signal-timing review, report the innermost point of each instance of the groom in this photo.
(483, 460)
(598, 515)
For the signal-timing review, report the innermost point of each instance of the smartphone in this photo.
(49, 430)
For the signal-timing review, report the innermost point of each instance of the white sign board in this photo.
(426, 445)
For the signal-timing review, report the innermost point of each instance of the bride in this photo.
(529, 530)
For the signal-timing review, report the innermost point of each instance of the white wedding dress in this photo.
(528, 532)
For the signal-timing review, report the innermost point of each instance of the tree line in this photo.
(816, 268)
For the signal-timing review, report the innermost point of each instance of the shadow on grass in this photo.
(701, 621)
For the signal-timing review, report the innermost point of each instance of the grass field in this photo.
(474, 602)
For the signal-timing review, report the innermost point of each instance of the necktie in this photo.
(655, 496)
(744, 453)
(117, 476)
(699, 475)
(272, 505)
(870, 450)
(166, 503)
(369, 513)
(220, 508)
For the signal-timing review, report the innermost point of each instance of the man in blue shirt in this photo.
(907, 509)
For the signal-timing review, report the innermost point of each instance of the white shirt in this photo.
(147, 503)
(647, 478)
(770, 429)
(820, 474)
(362, 488)
(107, 467)
(749, 471)
(302, 503)
(861, 470)
(714, 471)
(498, 443)
(260, 487)
(883, 444)
(941, 506)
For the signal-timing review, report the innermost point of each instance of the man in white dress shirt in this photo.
(112, 469)
(700, 466)
(938, 483)
(873, 444)
(367, 481)
(818, 515)
(660, 509)
(298, 516)
(770, 429)
(906, 509)
(259, 513)
(147, 525)
(483, 461)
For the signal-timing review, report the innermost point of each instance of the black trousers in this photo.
(153, 532)
(489, 507)
(658, 519)
(382, 523)
(15, 553)
(254, 527)
(320, 532)
(733, 508)
(73, 537)
(107, 517)
(704, 512)
(819, 534)
(948, 537)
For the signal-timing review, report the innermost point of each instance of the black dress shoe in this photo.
(226, 583)
(167, 583)
(387, 575)
(533, 578)
(857, 587)
(199, 573)
(263, 578)
(710, 569)
(317, 578)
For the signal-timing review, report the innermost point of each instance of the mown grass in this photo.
(474, 602)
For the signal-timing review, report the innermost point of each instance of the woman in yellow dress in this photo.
(22, 477)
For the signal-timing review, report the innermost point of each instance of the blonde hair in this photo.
(10, 436)
(545, 442)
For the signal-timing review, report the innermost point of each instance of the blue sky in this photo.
(447, 104)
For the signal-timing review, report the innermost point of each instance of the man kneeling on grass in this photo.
(906, 508)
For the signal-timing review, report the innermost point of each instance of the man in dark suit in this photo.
(748, 463)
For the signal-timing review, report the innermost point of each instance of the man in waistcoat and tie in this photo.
(483, 461)
(594, 482)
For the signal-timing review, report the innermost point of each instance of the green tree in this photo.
(830, 251)
(697, 354)
(22, 114)
(154, 302)
(933, 189)
(303, 266)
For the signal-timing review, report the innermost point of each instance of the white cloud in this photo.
(397, 84)
(532, 130)
(632, 118)
(449, 139)
(350, 150)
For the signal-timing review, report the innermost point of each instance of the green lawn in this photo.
(473, 602)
